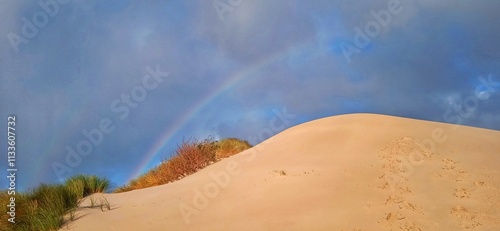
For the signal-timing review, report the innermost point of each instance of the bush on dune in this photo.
(147, 180)
(189, 157)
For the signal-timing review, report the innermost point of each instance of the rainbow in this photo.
(184, 118)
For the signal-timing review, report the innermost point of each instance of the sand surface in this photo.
(351, 172)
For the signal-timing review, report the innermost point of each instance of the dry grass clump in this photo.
(189, 157)
(230, 146)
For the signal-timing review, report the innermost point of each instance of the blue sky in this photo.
(73, 66)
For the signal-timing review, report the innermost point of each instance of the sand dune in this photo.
(351, 172)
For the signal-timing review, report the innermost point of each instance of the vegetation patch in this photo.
(189, 157)
(50, 206)
(44, 208)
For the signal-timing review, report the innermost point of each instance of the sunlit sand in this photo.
(350, 172)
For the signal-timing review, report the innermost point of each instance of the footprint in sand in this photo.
(474, 193)
(479, 183)
(466, 218)
(398, 221)
(453, 171)
(461, 193)
(396, 185)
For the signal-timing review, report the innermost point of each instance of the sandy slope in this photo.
(352, 172)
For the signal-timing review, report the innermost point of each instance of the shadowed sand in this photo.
(350, 172)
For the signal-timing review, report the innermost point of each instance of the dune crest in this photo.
(349, 172)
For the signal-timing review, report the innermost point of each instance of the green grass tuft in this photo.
(82, 185)
(44, 207)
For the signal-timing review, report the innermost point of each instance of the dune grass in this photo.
(82, 185)
(44, 207)
(189, 157)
